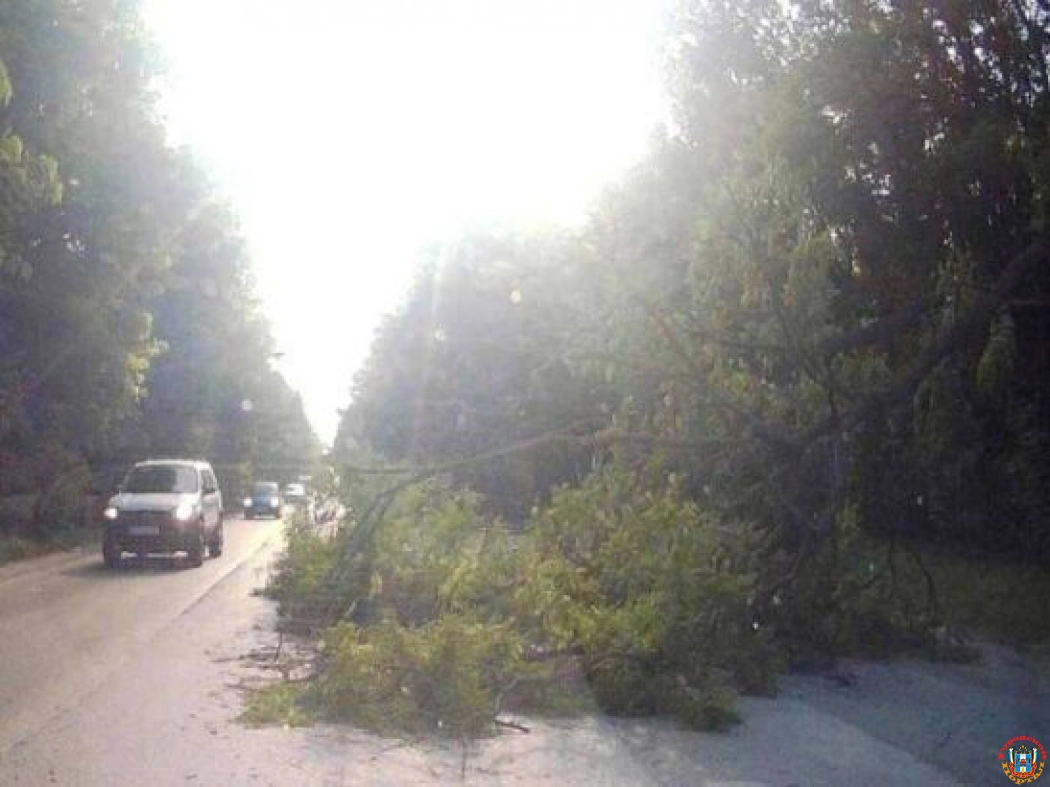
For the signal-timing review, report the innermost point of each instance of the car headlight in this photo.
(111, 512)
(184, 511)
(247, 502)
(275, 501)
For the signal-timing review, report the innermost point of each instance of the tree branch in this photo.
(881, 331)
(511, 725)
(970, 327)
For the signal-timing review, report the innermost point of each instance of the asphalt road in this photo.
(136, 678)
(78, 642)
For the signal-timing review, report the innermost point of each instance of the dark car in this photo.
(264, 500)
(165, 506)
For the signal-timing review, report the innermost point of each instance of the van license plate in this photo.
(143, 530)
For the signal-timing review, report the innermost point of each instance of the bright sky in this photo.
(350, 134)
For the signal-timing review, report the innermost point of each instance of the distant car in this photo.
(295, 493)
(264, 500)
(297, 496)
(165, 506)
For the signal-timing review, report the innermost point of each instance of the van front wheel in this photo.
(195, 550)
(215, 542)
(110, 554)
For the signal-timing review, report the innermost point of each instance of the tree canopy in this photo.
(128, 320)
(816, 311)
(781, 399)
(822, 291)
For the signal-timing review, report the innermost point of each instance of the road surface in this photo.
(136, 677)
(106, 676)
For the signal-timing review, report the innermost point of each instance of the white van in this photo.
(165, 505)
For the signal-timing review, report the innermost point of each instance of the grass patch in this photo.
(284, 703)
(74, 538)
(15, 548)
(993, 599)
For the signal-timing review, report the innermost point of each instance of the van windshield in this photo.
(161, 478)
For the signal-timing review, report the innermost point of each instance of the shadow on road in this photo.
(148, 565)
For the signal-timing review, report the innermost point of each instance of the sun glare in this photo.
(350, 135)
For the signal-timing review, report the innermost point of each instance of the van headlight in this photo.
(275, 501)
(184, 511)
(111, 512)
(247, 502)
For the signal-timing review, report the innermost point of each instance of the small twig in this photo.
(512, 725)
(393, 747)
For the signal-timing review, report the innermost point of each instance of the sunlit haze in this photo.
(350, 135)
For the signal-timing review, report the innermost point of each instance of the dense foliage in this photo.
(823, 290)
(470, 365)
(461, 618)
(128, 324)
(811, 325)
